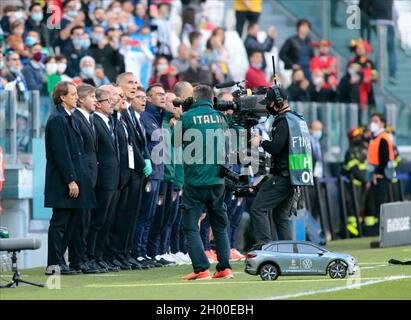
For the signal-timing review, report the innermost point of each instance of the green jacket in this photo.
(203, 154)
(173, 172)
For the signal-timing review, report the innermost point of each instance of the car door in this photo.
(286, 258)
(309, 258)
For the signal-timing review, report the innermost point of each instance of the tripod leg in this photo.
(31, 283)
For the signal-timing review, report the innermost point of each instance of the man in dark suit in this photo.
(86, 105)
(108, 179)
(129, 160)
(68, 186)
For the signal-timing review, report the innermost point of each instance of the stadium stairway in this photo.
(341, 36)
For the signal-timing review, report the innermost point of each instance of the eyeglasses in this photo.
(160, 94)
(141, 97)
(104, 100)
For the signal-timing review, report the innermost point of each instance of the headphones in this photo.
(278, 96)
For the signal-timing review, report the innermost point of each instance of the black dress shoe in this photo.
(94, 265)
(111, 266)
(125, 261)
(102, 265)
(154, 262)
(61, 269)
(145, 263)
(86, 268)
(120, 264)
(133, 261)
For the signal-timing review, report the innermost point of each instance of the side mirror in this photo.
(320, 253)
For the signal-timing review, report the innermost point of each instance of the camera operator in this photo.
(203, 185)
(290, 149)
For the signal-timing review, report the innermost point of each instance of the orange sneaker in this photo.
(204, 275)
(224, 274)
(212, 258)
(214, 254)
(235, 255)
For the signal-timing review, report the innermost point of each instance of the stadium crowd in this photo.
(119, 55)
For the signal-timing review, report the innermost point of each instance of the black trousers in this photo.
(275, 193)
(135, 191)
(100, 223)
(242, 17)
(77, 246)
(125, 218)
(62, 224)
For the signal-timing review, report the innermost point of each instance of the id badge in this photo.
(130, 157)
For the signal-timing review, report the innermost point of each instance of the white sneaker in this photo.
(177, 259)
(187, 257)
(169, 257)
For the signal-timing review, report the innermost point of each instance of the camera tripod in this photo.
(16, 276)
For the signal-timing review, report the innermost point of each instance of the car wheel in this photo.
(269, 272)
(337, 270)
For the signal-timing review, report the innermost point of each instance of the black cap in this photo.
(271, 96)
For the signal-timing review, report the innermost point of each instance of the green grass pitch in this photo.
(377, 280)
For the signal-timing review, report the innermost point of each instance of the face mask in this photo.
(317, 135)
(78, 42)
(161, 68)
(124, 26)
(116, 10)
(271, 110)
(97, 37)
(1, 65)
(38, 16)
(19, 15)
(78, 6)
(38, 56)
(86, 43)
(88, 72)
(317, 80)
(51, 68)
(14, 69)
(30, 41)
(374, 127)
(72, 13)
(61, 67)
(257, 65)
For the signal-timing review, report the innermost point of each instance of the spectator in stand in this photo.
(34, 71)
(164, 74)
(182, 61)
(349, 84)
(15, 40)
(299, 88)
(35, 23)
(52, 76)
(255, 77)
(197, 73)
(161, 21)
(216, 57)
(319, 91)
(381, 12)
(90, 74)
(10, 14)
(188, 22)
(297, 51)
(62, 67)
(141, 19)
(196, 39)
(72, 18)
(105, 53)
(252, 44)
(246, 10)
(368, 72)
(75, 51)
(99, 17)
(12, 73)
(137, 57)
(127, 24)
(3, 81)
(328, 64)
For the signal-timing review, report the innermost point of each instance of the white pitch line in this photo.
(353, 286)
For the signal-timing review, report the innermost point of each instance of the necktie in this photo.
(111, 126)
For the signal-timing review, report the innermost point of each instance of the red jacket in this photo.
(255, 78)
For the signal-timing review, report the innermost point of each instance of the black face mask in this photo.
(271, 109)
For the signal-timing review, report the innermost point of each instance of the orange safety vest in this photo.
(374, 148)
